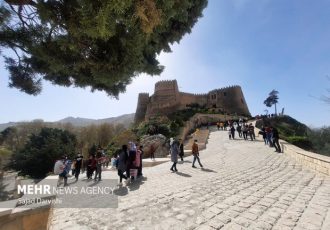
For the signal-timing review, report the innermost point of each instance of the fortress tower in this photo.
(167, 99)
(141, 109)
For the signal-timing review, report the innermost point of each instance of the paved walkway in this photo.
(245, 185)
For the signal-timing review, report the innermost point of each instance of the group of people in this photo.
(177, 150)
(243, 129)
(95, 163)
(269, 133)
(63, 166)
(128, 163)
(271, 137)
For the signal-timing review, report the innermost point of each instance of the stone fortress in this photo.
(167, 99)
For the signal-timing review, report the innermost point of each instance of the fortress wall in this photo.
(230, 99)
(157, 110)
(189, 98)
(166, 88)
(165, 92)
(141, 108)
(167, 99)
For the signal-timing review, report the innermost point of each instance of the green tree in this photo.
(100, 44)
(155, 125)
(9, 138)
(272, 99)
(38, 156)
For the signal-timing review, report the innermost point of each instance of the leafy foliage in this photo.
(38, 156)
(100, 44)
(156, 125)
(320, 139)
(4, 157)
(272, 99)
(301, 142)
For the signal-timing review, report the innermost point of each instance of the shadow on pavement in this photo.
(183, 174)
(122, 191)
(208, 170)
(135, 185)
(73, 182)
(95, 183)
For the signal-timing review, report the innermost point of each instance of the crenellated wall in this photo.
(230, 99)
(167, 99)
(141, 108)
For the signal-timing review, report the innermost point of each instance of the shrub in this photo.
(320, 139)
(301, 142)
(156, 125)
(39, 154)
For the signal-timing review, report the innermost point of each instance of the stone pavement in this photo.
(244, 185)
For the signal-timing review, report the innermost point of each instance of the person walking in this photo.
(99, 161)
(245, 132)
(239, 130)
(174, 151)
(264, 134)
(221, 125)
(152, 152)
(195, 153)
(141, 156)
(251, 132)
(181, 147)
(268, 131)
(131, 158)
(232, 131)
(136, 163)
(59, 169)
(79, 161)
(122, 164)
(91, 165)
(276, 138)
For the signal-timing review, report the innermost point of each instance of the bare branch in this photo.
(19, 58)
(19, 15)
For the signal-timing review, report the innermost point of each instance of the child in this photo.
(229, 133)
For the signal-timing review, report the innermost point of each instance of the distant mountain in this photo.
(125, 119)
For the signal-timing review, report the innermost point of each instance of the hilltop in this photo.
(297, 133)
(125, 119)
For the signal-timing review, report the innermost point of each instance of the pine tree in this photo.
(272, 99)
(100, 44)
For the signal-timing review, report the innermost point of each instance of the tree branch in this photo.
(19, 58)
(19, 15)
(21, 2)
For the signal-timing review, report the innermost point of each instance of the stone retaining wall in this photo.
(27, 217)
(314, 161)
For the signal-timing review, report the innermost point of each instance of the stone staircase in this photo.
(201, 135)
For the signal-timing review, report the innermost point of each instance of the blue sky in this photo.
(260, 45)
